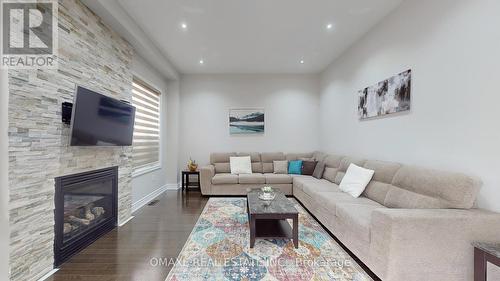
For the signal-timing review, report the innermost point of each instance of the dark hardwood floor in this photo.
(158, 231)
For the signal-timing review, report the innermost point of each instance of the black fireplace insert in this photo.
(86, 207)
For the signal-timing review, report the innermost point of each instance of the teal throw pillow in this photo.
(295, 167)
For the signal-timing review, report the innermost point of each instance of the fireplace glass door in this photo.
(86, 206)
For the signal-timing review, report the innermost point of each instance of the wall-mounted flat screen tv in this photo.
(98, 120)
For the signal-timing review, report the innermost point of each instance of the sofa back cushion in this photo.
(381, 182)
(267, 159)
(401, 198)
(416, 187)
(221, 161)
(319, 156)
(298, 156)
(332, 164)
(344, 164)
(255, 159)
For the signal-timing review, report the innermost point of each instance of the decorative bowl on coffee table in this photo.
(267, 193)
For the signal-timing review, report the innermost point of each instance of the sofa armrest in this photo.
(206, 175)
(429, 244)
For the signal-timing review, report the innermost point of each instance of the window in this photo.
(146, 145)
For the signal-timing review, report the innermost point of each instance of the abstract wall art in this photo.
(390, 96)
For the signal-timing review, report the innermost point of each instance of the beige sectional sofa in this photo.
(410, 223)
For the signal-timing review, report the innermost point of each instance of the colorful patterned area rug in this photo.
(219, 249)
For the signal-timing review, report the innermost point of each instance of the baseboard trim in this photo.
(127, 220)
(173, 186)
(50, 273)
(148, 198)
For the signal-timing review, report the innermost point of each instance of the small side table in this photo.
(484, 253)
(185, 179)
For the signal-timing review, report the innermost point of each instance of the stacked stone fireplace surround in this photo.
(91, 55)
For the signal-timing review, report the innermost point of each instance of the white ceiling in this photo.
(255, 36)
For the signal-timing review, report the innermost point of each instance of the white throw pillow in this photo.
(355, 180)
(240, 165)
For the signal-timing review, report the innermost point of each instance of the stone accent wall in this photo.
(91, 55)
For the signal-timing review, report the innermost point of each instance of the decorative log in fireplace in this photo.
(86, 207)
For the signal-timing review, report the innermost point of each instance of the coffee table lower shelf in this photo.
(273, 229)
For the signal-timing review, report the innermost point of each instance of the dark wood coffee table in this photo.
(268, 218)
(485, 253)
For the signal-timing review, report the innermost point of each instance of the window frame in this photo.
(148, 168)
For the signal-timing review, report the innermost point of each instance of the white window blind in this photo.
(146, 146)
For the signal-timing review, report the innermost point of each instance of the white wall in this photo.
(452, 47)
(145, 184)
(4, 182)
(172, 132)
(290, 103)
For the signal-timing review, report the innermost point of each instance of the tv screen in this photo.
(98, 120)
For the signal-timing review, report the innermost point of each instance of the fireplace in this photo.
(86, 207)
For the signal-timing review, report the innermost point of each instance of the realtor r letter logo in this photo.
(29, 34)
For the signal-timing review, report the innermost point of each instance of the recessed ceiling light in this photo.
(301, 61)
(184, 25)
(202, 61)
(329, 26)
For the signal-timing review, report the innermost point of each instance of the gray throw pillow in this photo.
(280, 167)
(318, 170)
(308, 167)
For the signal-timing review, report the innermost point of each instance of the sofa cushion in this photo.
(329, 200)
(338, 177)
(267, 159)
(298, 156)
(329, 173)
(222, 168)
(333, 161)
(400, 198)
(300, 180)
(319, 156)
(332, 164)
(257, 167)
(277, 178)
(251, 178)
(254, 156)
(384, 173)
(356, 217)
(319, 170)
(344, 165)
(312, 187)
(458, 190)
(255, 160)
(377, 191)
(221, 161)
(224, 178)
(221, 157)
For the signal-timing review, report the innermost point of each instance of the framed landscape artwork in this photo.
(246, 121)
(390, 96)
